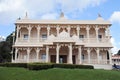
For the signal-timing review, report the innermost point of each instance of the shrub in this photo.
(16, 65)
(71, 66)
(2, 64)
(39, 66)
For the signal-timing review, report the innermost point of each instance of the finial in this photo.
(26, 15)
(62, 14)
(19, 18)
(99, 15)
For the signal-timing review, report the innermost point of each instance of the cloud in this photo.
(10, 5)
(73, 5)
(49, 16)
(2, 38)
(12, 9)
(115, 17)
(115, 48)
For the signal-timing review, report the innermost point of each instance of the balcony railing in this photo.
(30, 60)
(83, 40)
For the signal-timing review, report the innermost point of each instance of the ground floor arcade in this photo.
(63, 53)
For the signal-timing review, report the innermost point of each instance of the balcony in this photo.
(55, 39)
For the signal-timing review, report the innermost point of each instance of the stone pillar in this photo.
(98, 56)
(88, 28)
(16, 52)
(17, 32)
(68, 29)
(96, 29)
(88, 51)
(108, 34)
(47, 54)
(110, 56)
(48, 31)
(29, 32)
(78, 31)
(79, 55)
(57, 53)
(38, 33)
(70, 61)
(28, 54)
(37, 57)
(58, 28)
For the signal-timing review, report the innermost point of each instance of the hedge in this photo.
(73, 66)
(14, 65)
(41, 66)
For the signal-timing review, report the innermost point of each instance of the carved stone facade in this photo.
(63, 41)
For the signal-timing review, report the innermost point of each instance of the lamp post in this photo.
(13, 36)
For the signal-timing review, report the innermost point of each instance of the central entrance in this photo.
(62, 58)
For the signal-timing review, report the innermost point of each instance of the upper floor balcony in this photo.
(64, 38)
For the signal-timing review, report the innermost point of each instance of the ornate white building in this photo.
(63, 41)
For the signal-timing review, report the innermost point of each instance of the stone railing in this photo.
(95, 61)
(82, 40)
(30, 60)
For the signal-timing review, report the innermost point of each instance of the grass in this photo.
(57, 74)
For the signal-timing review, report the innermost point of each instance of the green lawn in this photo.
(58, 74)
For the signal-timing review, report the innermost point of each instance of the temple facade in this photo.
(63, 41)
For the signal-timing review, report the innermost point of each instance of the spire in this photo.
(99, 15)
(26, 15)
(62, 15)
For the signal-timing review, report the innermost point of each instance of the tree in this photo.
(6, 48)
(118, 53)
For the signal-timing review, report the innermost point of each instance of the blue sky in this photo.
(10, 10)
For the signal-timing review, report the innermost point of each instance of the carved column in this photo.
(68, 29)
(38, 33)
(16, 52)
(108, 34)
(79, 55)
(28, 55)
(29, 32)
(57, 53)
(88, 51)
(70, 61)
(58, 28)
(37, 51)
(110, 56)
(96, 29)
(98, 58)
(17, 32)
(48, 31)
(78, 31)
(47, 54)
(88, 28)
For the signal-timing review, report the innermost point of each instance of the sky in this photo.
(11, 10)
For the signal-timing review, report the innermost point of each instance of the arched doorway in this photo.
(93, 56)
